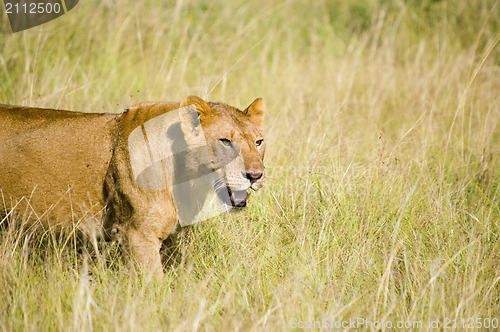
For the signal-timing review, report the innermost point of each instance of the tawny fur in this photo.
(60, 168)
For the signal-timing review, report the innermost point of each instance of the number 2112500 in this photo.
(33, 8)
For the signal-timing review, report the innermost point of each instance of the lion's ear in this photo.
(201, 106)
(190, 124)
(256, 112)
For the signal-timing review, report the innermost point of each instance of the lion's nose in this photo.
(253, 175)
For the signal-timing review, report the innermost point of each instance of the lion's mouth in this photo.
(236, 198)
(239, 198)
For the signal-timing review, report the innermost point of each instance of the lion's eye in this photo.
(225, 141)
(259, 142)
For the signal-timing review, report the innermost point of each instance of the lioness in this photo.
(63, 168)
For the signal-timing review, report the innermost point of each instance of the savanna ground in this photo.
(383, 160)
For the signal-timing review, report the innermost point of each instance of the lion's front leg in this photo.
(143, 251)
(138, 218)
(142, 239)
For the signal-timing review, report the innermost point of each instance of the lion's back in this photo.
(51, 156)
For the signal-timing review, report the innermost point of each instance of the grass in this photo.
(383, 162)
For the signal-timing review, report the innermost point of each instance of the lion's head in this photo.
(234, 142)
(210, 153)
